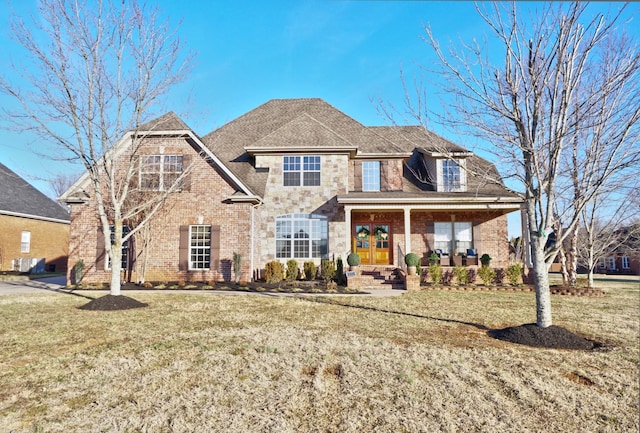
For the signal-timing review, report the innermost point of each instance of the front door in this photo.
(371, 242)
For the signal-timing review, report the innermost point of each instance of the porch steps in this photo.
(382, 277)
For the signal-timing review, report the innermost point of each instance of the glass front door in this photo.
(371, 242)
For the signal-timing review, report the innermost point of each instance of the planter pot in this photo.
(411, 270)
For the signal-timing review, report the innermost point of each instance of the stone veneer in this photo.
(281, 200)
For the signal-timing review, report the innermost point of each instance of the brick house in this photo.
(297, 178)
(34, 230)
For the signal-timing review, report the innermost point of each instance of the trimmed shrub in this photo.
(485, 259)
(486, 274)
(310, 270)
(460, 272)
(435, 273)
(328, 269)
(237, 266)
(353, 259)
(412, 259)
(274, 272)
(292, 270)
(514, 273)
(339, 271)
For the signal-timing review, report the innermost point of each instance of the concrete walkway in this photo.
(57, 284)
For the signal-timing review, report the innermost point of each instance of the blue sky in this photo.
(345, 52)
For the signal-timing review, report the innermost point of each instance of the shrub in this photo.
(310, 270)
(462, 277)
(332, 286)
(434, 258)
(485, 259)
(339, 271)
(486, 274)
(412, 259)
(292, 270)
(471, 275)
(353, 259)
(447, 277)
(78, 271)
(328, 269)
(514, 273)
(237, 266)
(274, 272)
(501, 274)
(435, 272)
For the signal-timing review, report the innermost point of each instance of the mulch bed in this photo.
(553, 337)
(112, 303)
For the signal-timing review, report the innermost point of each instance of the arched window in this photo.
(301, 236)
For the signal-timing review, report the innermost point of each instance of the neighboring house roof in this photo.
(19, 198)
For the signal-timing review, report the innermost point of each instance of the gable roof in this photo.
(19, 198)
(169, 124)
(289, 125)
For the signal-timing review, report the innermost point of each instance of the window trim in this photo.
(193, 247)
(302, 166)
(25, 241)
(626, 262)
(371, 175)
(317, 237)
(452, 239)
(161, 173)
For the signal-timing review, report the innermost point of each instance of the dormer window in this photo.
(452, 176)
(371, 176)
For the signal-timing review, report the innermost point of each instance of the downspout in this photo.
(252, 240)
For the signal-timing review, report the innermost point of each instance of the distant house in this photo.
(34, 230)
(299, 179)
(625, 258)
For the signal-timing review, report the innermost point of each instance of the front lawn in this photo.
(209, 362)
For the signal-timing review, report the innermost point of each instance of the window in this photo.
(611, 263)
(25, 242)
(301, 236)
(125, 248)
(602, 264)
(159, 172)
(200, 247)
(371, 176)
(452, 237)
(450, 175)
(625, 262)
(301, 170)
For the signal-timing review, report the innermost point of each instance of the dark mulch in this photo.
(554, 337)
(112, 303)
(317, 287)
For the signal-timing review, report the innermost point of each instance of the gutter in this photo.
(35, 217)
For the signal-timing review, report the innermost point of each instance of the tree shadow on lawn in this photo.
(552, 337)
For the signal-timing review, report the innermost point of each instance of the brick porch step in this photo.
(383, 277)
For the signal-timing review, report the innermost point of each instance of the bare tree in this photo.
(93, 74)
(604, 232)
(62, 182)
(526, 107)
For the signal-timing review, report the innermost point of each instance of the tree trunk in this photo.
(116, 258)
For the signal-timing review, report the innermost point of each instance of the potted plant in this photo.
(485, 259)
(412, 261)
(353, 260)
(434, 258)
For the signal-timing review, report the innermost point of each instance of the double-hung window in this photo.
(452, 237)
(200, 247)
(371, 176)
(301, 170)
(625, 262)
(124, 261)
(159, 172)
(450, 175)
(301, 236)
(25, 242)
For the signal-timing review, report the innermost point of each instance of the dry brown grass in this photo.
(422, 362)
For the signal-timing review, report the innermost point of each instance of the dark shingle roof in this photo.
(19, 197)
(167, 122)
(290, 122)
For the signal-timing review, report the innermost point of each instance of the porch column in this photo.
(347, 231)
(407, 231)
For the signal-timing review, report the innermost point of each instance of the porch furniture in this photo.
(444, 258)
(457, 260)
(472, 257)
